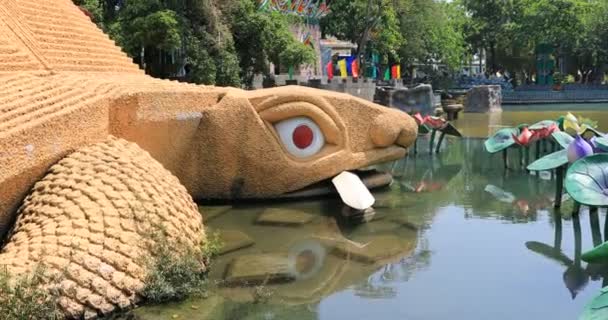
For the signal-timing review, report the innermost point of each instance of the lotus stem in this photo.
(594, 220)
(553, 146)
(527, 155)
(521, 156)
(505, 158)
(441, 136)
(557, 242)
(559, 186)
(537, 150)
(416, 145)
(576, 226)
(432, 142)
(576, 209)
(606, 230)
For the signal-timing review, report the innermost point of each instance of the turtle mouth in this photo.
(372, 179)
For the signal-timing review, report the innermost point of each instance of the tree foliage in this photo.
(401, 31)
(509, 31)
(227, 42)
(366, 22)
(223, 42)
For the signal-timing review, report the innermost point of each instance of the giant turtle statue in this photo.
(95, 155)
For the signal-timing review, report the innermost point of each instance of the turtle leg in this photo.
(89, 221)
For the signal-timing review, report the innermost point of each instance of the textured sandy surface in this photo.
(64, 85)
(91, 218)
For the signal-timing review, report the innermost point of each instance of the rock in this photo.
(404, 222)
(287, 217)
(484, 99)
(418, 99)
(199, 309)
(233, 240)
(259, 268)
(212, 212)
(375, 248)
(360, 216)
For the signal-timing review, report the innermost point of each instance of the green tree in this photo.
(489, 22)
(217, 42)
(433, 32)
(263, 37)
(370, 23)
(591, 49)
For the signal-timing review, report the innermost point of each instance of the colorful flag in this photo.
(291, 71)
(355, 68)
(342, 65)
(330, 70)
(387, 74)
(396, 72)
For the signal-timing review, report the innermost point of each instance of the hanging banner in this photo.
(349, 65)
(396, 72)
(291, 71)
(343, 71)
(330, 70)
(387, 74)
(355, 68)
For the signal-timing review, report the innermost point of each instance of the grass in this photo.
(25, 298)
(175, 275)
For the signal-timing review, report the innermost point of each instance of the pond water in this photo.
(454, 237)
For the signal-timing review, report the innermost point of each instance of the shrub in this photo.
(26, 298)
(176, 274)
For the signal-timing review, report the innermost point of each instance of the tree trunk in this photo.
(363, 39)
(493, 52)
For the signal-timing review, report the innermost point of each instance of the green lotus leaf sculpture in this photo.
(542, 125)
(549, 162)
(501, 140)
(562, 138)
(597, 309)
(601, 143)
(598, 254)
(587, 180)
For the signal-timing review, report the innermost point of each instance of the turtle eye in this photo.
(301, 136)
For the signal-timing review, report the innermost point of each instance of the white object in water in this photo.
(352, 191)
(500, 194)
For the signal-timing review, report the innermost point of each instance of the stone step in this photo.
(256, 269)
(233, 240)
(286, 217)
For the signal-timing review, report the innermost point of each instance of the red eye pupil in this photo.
(302, 136)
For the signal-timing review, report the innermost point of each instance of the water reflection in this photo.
(453, 222)
(576, 276)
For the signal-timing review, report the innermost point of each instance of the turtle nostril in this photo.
(393, 128)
